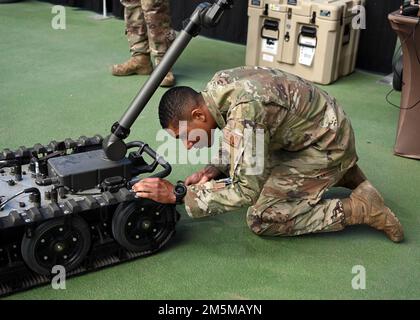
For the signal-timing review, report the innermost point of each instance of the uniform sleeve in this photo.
(221, 162)
(245, 145)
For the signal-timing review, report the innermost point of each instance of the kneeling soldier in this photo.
(308, 145)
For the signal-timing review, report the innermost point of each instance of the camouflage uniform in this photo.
(308, 146)
(148, 27)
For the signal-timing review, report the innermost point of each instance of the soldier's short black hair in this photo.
(175, 104)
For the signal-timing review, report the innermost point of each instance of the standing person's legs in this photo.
(136, 31)
(159, 31)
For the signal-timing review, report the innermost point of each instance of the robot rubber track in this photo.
(81, 230)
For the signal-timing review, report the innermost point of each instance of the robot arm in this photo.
(205, 15)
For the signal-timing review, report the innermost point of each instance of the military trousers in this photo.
(148, 27)
(291, 202)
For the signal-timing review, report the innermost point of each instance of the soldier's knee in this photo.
(256, 224)
(261, 225)
(253, 221)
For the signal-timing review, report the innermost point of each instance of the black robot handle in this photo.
(157, 160)
(160, 160)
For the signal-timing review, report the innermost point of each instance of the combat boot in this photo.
(366, 206)
(140, 64)
(169, 79)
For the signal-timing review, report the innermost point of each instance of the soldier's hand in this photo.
(194, 178)
(156, 189)
(202, 176)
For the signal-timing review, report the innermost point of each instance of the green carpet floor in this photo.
(56, 84)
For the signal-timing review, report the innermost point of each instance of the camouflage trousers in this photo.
(291, 203)
(148, 27)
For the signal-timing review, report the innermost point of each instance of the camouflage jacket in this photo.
(268, 118)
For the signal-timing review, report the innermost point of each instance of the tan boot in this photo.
(140, 64)
(169, 80)
(366, 206)
(352, 178)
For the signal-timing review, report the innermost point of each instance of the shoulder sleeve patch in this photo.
(232, 138)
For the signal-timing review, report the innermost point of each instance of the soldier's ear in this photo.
(198, 115)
